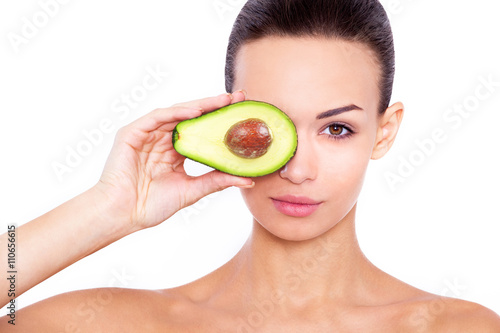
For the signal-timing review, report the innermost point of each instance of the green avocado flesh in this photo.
(248, 139)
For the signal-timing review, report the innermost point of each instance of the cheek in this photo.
(344, 169)
(258, 195)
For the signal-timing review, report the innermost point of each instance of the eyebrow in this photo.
(338, 111)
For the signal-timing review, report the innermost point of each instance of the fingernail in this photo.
(242, 91)
(247, 186)
(230, 95)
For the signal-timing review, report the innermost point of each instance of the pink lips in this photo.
(295, 206)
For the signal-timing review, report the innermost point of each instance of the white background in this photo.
(438, 230)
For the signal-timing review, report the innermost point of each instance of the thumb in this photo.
(215, 180)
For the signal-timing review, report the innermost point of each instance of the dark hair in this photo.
(363, 21)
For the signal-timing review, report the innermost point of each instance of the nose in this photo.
(302, 166)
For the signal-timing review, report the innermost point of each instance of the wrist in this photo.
(106, 213)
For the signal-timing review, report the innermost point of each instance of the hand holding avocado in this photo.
(143, 184)
(144, 178)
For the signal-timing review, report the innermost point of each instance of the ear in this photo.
(389, 125)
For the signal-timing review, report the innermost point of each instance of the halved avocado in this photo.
(249, 139)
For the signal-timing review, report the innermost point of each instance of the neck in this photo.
(330, 266)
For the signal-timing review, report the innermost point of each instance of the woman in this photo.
(329, 65)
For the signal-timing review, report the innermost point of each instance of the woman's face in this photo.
(313, 81)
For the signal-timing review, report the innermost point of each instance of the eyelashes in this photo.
(337, 131)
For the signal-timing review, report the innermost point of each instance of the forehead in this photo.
(302, 70)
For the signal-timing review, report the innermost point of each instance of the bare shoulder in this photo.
(92, 310)
(414, 310)
(467, 316)
(443, 314)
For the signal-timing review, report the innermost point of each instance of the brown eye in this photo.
(335, 129)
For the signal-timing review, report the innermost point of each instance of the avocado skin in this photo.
(199, 143)
(175, 135)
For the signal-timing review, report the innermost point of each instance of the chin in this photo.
(294, 229)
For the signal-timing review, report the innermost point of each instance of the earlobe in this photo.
(388, 128)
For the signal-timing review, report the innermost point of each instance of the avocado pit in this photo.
(249, 138)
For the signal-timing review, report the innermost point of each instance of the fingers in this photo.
(210, 103)
(217, 181)
(182, 111)
(239, 96)
(159, 117)
(217, 102)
